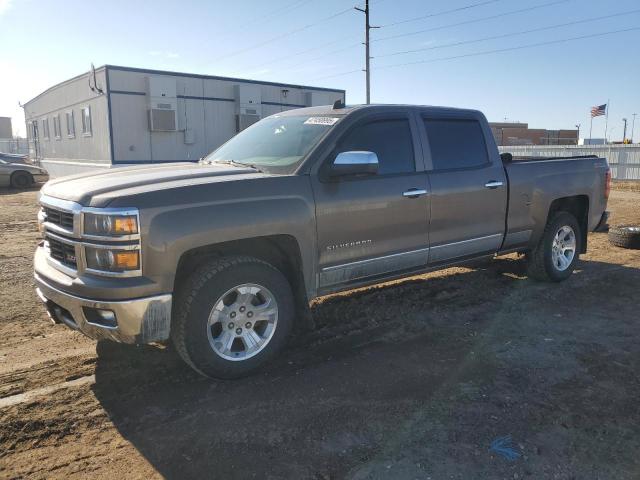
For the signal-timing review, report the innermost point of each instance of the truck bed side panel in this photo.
(534, 185)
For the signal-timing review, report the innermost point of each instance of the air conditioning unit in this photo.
(248, 105)
(243, 121)
(163, 104)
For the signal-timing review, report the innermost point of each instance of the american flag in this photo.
(599, 110)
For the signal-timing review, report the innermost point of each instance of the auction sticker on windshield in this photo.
(321, 121)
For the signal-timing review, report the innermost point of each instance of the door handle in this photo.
(493, 184)
(414, 193)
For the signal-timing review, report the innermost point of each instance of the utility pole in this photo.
(578, 137)
(633, 125)
(366, 46)
(624, 134)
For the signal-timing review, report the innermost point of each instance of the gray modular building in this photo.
(6, 132)
(120, 116)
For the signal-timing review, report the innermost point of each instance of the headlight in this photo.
(110, 225)
(112, 260)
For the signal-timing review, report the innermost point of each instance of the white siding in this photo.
(624, 160)
(72, 95)
(207, 107)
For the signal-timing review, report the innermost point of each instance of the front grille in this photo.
(62, 252)
(58, 217)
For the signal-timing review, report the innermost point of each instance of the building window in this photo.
(45, 128)
(86, 121)
(71, 126)
(56, 127)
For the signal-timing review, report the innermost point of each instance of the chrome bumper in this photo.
(143, 320)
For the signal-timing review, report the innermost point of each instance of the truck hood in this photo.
(98, 188)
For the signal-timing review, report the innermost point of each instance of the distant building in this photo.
(6, 132)
(592, 141)
(122, 116)
(508, 133)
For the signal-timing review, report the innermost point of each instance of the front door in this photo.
(377, 224)
(468, 189)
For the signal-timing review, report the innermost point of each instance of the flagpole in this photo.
(606, 122)
(590, 128)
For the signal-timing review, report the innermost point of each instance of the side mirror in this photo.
(506, 157)
(354, 163)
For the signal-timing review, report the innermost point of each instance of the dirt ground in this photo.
(413, 379)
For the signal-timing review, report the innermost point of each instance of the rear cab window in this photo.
(456, 143)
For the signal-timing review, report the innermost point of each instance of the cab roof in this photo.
(329, 110)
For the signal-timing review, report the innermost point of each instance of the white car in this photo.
(18, 175)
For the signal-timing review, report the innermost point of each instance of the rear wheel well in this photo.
(578, 206)
(281, 251)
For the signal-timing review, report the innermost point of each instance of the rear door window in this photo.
(456, 143)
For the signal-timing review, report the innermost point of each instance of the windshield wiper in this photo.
(239, 164)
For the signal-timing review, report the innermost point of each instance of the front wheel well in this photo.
(578, 206)
(281, 251)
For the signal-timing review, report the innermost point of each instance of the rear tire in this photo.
(21, 180)
(557, 252)
(232, 316)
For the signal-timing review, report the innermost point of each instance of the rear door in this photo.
(373, 225)
(468, 186)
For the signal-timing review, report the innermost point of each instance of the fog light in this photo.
(101, 317)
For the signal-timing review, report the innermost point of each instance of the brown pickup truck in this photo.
(224, 256)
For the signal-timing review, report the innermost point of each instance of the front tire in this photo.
(557, 252)
(232, 316)
(21, 180)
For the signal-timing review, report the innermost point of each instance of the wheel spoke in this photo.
(226, 341)
(251, 339)
(265, 312)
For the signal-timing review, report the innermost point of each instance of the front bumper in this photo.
(136, 321)
(40, 177)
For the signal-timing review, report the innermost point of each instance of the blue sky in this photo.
(550, 86)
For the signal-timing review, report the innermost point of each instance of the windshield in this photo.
(276, 144)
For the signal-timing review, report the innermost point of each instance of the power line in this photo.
(289, 6)
(487, 52)
(308, 50)
(467, 22)
(431, 15)
(302, 52)
(286, 34)
(494, 37)
(358, 44)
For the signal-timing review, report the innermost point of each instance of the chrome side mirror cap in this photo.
(355, 163)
